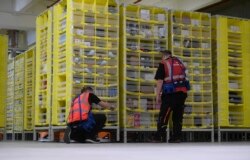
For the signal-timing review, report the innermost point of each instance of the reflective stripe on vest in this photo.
(178, 69)
(176, 77)
(80, 108)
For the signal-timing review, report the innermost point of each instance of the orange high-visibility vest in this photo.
(79, 109)
(178, 72)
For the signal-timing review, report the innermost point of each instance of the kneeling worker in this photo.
(83, 125)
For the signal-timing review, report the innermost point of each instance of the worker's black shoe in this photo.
(174, 140)
(67, 133)
(159, 138)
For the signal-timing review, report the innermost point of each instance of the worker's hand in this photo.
(158, 99)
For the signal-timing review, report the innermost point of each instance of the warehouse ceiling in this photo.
(21, 14)
(188, 5)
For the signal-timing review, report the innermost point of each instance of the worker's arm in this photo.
(158, 90)
(98, 101)
(106, 105)
(159, 76)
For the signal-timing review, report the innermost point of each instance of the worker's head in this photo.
(165, 54)
(87, 89)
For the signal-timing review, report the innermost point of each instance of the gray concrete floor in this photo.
(119, 151)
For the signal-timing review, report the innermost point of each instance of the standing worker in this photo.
(172, 87)
(83, 125)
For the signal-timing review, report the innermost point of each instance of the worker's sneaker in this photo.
(67, 133)
(92, 140)
(73, 141)
(46, 139)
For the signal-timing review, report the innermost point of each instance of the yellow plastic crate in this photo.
(85, 54)
(231, 52)
(43, 68)
(190, 39)
(3, 79)
(144, 32)
(19, 93)
(10, 96)
(29, 94)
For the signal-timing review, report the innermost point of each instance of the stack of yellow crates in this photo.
(29, 93)
(86, 41)
(231, 38)
(190, 34)
(43, 69)
(144, 32)
(10, 96)
(18, 94)
(3, 79)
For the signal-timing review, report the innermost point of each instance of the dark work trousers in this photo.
(100, 120)
(171, 102)
(79, 134)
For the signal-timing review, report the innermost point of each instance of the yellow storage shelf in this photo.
(19, 89)
(10, 96)
(144, 32)
(190, 39)
(88, 32)
(29, 93)
(3, 79)
(231, 55)
(43, 73)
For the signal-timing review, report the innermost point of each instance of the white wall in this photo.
(31, 37)
(18, 21)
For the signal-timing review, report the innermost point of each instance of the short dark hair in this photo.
(166, 52)
(84, 89)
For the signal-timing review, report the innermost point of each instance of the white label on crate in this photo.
(195, 22)
(79, 31)
(149, 76)
(77, 41)
(196, 64)
(145, 14)
(162, 32)
(196, 72)
(161, 17)
(233, 85)
(144, 104)
(87, 43)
